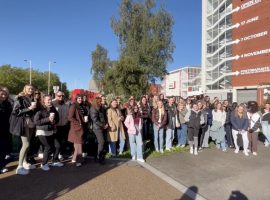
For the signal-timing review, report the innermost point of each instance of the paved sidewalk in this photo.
(217, 175)
(116, 180)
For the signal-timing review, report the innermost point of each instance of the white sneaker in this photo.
(236, 151)
(255, 153)
(157, 150)
(167, 149)
(4, 170)
(246, 153)
(182, 146)
(248, 150)
(161, 151)
(60, 157)
(133, 158)
(78, 164)
(40, 155)
(266, 144)
(57, 164)
(21, 171)
(28, 166)
(120, 153)
(191, 150)
(84, 155)
(195, 151)
(141, 160)
(45, 167)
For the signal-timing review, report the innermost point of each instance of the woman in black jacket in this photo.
(5, 111)
(99, 125)
(46, 120)
(21, 124)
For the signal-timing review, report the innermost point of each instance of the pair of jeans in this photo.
(169, 138)
(51, 145)
(266, 131)
(158, 137)
(205, 142)
(244, 136)
(145, 129)
(228, 130)
(62, 136)
(182, 134)
(112, 147)
(136, 143)
(221, 145)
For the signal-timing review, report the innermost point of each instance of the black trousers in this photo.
(192, 132)
(3, 152)
(202, 132)
(51, 145)
(62, 137)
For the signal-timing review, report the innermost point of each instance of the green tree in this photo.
(14, 78)
(100, 65)
(145, 36)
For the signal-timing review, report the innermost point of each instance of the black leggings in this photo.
(51, 145)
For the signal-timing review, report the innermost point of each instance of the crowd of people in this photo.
(55, 129)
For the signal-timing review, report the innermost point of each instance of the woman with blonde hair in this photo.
(115, 128)
(21, 124)
(182, 127)
(159, 119)
(240, 124)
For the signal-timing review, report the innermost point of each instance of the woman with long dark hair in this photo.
(78, 119)
(99, 125)
(5, 111)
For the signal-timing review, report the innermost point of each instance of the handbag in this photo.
(16, 125)
(239, 140)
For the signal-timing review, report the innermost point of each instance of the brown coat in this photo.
(76, 125)
(155, 116)
(114, 125)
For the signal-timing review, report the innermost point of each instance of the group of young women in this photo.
(190, 121)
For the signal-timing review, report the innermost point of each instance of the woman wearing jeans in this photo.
(182, 130)
(217, 130)
(133, 123)
(45, 121)
(240, 125)
(266, 124)
(116, 128)
(159, 118)
(24, 111)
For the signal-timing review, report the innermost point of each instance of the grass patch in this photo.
(151, 153)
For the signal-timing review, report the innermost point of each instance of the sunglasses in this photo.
(60, 95)
(37, 93)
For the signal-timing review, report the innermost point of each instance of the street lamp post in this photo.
(49, 76)
(30, 71)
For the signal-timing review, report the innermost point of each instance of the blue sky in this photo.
(67, 31)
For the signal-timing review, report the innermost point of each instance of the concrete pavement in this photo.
(116, 180)
(218, 175)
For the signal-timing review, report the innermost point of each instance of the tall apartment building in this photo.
(235, 48)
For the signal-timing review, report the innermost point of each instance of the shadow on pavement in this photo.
(191, 193)
(237, 195)
(51, 184)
